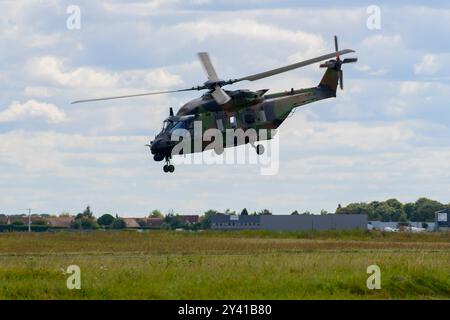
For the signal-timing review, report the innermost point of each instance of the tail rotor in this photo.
(337, 63)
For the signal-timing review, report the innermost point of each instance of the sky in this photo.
(386, 135)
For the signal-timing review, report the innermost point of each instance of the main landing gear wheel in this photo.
(259, 149)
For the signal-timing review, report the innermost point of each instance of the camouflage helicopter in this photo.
(241, 109)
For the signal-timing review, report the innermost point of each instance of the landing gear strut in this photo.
(168, 167)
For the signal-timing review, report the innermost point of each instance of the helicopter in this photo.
(240, 109)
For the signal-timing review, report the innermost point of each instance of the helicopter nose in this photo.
(155, 146)
(161, 146)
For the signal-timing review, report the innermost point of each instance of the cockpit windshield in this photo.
(180, 123)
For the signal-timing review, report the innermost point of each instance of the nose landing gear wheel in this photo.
(166, 168)
(171, 168)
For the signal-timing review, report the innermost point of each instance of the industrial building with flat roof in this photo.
(442, 220)
(289, 222)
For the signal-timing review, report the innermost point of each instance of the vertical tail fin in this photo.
(330, 80)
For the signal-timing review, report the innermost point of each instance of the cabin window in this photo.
(233, 122)
(262, 115)
(219, 123)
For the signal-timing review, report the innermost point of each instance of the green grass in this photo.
(225, 265)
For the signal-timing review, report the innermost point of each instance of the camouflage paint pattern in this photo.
(256, 109)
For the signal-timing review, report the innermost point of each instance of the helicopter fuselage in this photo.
(246, 110)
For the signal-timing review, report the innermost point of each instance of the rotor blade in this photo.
(220, 96)
(350, 60)
(207, 65)
(341, 79)
(336, 43)
(137, 95)
(290, 67)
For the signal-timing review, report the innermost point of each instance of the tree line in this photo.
(423, 209)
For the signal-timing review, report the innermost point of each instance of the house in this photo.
(61, 222)
(143, 222)
(289, 222)
(154, 222)
(189, 219)
(131, 223)
(25, 219)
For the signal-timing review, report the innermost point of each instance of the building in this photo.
(154, 222)
(289, 222)
(189, 219)
(131, 222)
(442, 219)
(233, 222)
(381, 225)
(60, 222)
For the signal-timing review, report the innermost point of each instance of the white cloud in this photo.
(354, 136)
(37, 91)
(413, 87)
(54, 70)
(247, 29)
(429, 65)
(380, 41)
(32, 108)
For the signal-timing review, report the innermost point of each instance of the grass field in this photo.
(224, 265)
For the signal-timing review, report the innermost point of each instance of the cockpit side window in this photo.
(166, 125)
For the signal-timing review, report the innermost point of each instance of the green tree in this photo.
(85, 220)
(265, 212)
(205, 223)
(244, 212)
(174, 221)
(408, 208)
(119, 224)
(142, 222)
(425, 209)
(106, 220)
(385, 212)
(295, 213)
(156, 214)
(88, 213)
(84, 223)
(229, 212)
(397, 207)
(357, 208)
(403, 220)
(210, 212)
